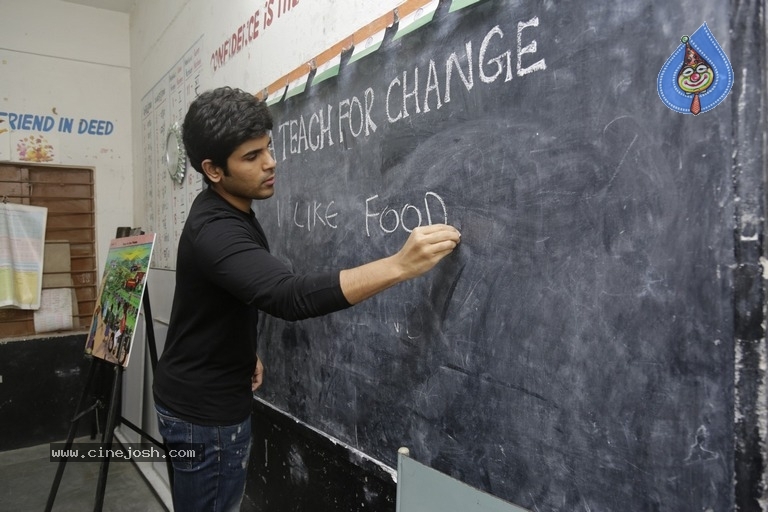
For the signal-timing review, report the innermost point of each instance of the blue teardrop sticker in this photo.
(697, 76)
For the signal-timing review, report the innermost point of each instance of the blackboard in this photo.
(577, 351)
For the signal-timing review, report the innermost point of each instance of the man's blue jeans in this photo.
(214, 482)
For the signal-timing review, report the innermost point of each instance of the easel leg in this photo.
(114, 403)
(71, 437)
(153, 361)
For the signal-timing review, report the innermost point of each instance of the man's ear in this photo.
(211, 170)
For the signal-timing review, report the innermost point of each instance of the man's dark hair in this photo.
(218, 121)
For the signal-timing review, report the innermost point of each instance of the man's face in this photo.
(251, 173)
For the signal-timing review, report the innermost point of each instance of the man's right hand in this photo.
(425, 247)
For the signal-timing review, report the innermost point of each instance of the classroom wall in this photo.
(61, 62)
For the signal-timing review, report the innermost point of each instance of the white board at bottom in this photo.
(423, 489)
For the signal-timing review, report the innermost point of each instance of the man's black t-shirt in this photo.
(225, 275)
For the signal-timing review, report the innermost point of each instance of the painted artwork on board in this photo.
(34, 147)
(120, 298)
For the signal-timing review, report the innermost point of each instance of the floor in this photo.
(26, 476)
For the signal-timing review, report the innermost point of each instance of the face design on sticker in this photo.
(696, 74)
(696, 78)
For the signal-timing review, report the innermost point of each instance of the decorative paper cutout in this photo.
(697, 76)
(297, 86)
(327, 69)
(416, 19)
(368, 46)
(460, 4)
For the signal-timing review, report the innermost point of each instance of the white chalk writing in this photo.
(412, 92)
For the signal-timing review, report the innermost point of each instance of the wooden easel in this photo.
(114, 417)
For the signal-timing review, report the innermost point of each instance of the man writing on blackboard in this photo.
(225, 275)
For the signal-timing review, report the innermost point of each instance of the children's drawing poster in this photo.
(166, 200)
(120, 295)
(22, 248)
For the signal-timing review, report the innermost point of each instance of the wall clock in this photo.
(175, 159)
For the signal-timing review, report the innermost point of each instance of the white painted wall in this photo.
(65, 60)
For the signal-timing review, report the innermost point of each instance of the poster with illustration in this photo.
(120, 297)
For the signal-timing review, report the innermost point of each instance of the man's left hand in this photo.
(258, 375)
